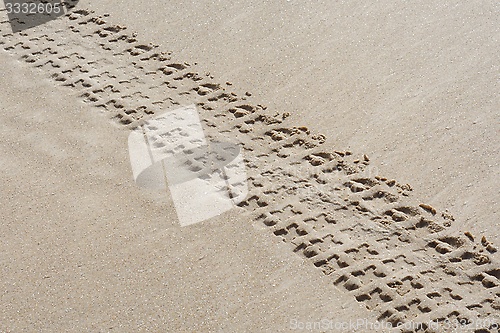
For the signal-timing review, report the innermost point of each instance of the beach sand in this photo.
(84, 250)
(330, 103)
(414, 86)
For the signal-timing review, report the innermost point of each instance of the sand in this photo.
(329, 120)
(414, 86)
(84, 250)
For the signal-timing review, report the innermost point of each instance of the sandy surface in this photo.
(413, 85)
(325, 232)
(84, 250)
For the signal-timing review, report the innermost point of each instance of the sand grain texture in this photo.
(82, 249)
(380, 244)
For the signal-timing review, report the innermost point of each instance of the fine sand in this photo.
(412, 85)
(330, 103)
(83, 250)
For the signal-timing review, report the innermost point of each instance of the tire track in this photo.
(368, 234)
